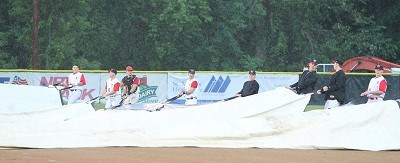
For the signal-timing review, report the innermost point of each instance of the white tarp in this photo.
(25, 98)
(272, 119)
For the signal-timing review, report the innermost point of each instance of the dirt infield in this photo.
(188, 154)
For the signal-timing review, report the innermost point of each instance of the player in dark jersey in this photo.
(130, 84)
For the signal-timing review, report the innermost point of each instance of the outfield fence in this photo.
(157, 86)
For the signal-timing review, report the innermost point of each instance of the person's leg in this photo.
(329, 104)
(134, 98)
(108, 104)
(131, 99)
(374, 100)
(74, 96)
(191, 102)
(115, 101)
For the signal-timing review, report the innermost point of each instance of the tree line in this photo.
(225, 35)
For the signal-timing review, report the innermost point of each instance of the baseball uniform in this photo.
(191, 99)
(76, 90)
(377, 84)
(115, 99)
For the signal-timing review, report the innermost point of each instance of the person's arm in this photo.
(193, 87)
(382, 89)
(103, 92)
(239, 94)
(81, 82)
(254, 88)
(340, 82)
(294, 85)
(310, 79)
(245, 86)
(124, 90)
(115, 89)
(134, 85)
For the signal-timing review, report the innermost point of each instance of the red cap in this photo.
(129, 68)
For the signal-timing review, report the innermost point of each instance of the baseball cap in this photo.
(192, 71)
(113, 71)
(379, 67)
(314, 61)
(340, 62)
(129, 68)
(252, 72)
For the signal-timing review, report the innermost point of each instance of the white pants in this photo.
(374, 100)
(112, 101)
(74, 96)
(329, 104)
(131, 99)
(191, 101)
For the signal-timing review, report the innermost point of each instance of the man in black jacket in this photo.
(336, 90)
(307, 80)
(249, 87)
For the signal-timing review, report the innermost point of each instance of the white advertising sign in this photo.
(215, 87)
(157, 87)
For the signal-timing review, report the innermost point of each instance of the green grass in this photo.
(314, 107)
(98, 105)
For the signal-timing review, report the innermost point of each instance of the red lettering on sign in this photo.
(85, 93)
(52, 80)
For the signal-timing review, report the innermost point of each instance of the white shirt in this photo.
(110, 86)
(75, 79)
(374, 85)
(188, 85)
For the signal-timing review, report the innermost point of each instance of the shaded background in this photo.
(234, 35)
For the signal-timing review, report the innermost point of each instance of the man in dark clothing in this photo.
(249, 87)
(130, 84)
(307, 80)
(336, 90)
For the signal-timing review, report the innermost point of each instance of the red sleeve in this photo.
(383, 86)
(136, 81)
(116, 86)
(194, 84)
(83, 80)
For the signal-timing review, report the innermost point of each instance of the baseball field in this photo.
(190, 154)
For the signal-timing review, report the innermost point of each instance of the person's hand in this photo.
(364, 93)
(325, 88)
(319, 92)
(125, 96)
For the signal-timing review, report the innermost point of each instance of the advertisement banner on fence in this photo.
(214, 87)
(152, 87)
(89, 91)
(157, 87)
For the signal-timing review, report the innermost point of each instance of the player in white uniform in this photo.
(190, 89)
(377, 86)
(77, 81)
(112, 90)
